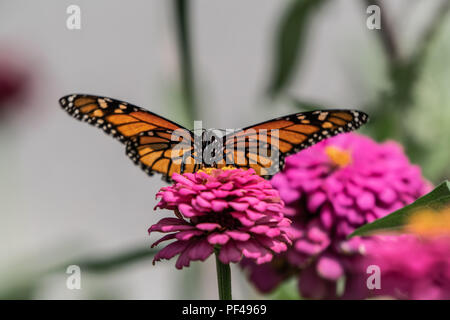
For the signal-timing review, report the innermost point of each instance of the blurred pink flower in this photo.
(330, 189)
(411, 267)
(14, 81)
(233, 210)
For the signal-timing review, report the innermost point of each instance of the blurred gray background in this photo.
(68, 191)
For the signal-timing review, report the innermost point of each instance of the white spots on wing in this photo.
(102, 103)
(322, 116)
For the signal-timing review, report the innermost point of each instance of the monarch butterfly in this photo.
(160, 145)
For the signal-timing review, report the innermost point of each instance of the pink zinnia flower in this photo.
(233, 210)
(330, 189)
(411, 267)
(415, 265)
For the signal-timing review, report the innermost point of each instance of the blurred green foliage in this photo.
(399, 109)
(412, 109)
(435, 200)
(26, 280)
(287, 290)
(290, 42)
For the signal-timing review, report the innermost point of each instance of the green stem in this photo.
(223, 279)
(181, 8)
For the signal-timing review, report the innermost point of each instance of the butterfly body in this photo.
(160, 145)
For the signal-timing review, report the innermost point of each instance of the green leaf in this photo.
(436, 200)
(290, 39)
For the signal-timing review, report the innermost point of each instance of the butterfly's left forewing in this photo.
(149, 138)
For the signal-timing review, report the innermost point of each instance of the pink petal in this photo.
(316, 234)
(186, 235)
(169, 197)
(165, 238)
(267, 257)
(208, 195)
(329, 268)
(203, 202)
(242, 218)
(188, 211)
(213, 185)
(344, 200)
(387, 195)
(250, 200)
(316, 200)
(254, 215)
(207, 226)
(219, 205)
(183, 259)
(229, 253)
(366, 201)
(170, 224)
(238, 235)
(239, 206)
(198, 187)
(273, 232)
(200, 250)
(326, 217)
(310, 185)
(274, 245)
(171, 250)
(227, 186)
(218, 238)
(260, 206)
(186, 192)
(182, 180)
(285, 222)
(307, 247)
(220, 193)
(252, 249)
(290, 195)
(260, 229)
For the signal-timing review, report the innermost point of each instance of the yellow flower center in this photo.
(338, 156)
(210, 170)
(430, 223)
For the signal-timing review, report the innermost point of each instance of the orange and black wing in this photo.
(264, 146)
(149, 138)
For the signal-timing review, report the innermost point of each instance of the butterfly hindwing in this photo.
(156, 151)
